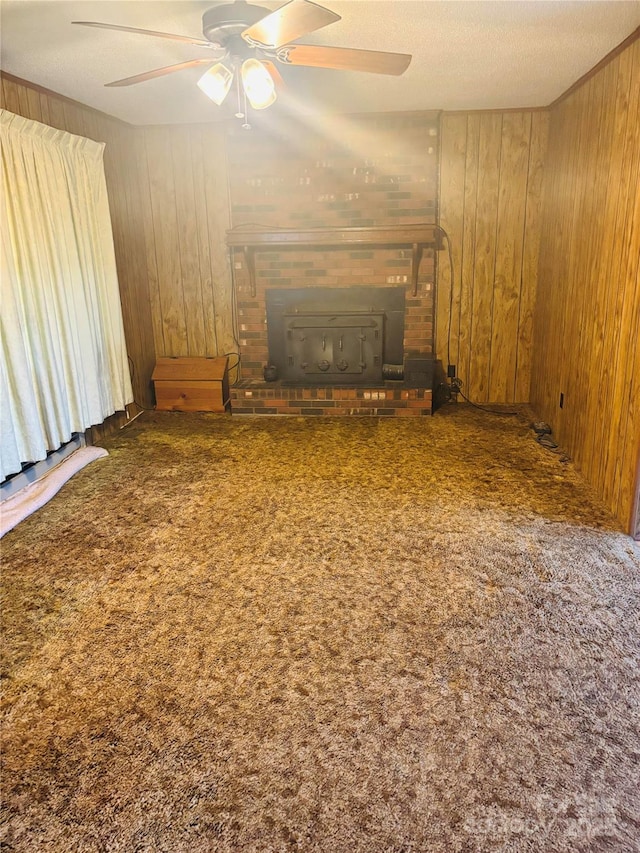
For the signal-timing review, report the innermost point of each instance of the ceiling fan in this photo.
(246, 39)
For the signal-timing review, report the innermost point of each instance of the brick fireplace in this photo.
(341, 215)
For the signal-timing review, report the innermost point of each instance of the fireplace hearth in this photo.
(335, 336)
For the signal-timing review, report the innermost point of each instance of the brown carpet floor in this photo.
(345, 636)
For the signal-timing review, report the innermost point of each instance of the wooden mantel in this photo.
(416, 237)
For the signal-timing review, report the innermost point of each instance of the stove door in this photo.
(334, 346)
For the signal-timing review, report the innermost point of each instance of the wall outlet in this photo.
(451, 371)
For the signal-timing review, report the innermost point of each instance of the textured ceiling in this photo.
(466, 55)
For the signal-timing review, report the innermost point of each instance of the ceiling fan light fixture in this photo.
(237, 29)
(258, 84)
(216, 82)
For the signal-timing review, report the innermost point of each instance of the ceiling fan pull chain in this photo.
(239, 113)
(246, 125)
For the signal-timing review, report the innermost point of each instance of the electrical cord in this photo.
(132, 373)
(237, 355)
(484, 408)
(456, 383)
(543, 437)
(234, 318)
(234, 366)
(442, 231)
(456, 388)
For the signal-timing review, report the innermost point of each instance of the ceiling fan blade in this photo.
(159, 72)
(186, 39)
(344, 58)
(289, 22)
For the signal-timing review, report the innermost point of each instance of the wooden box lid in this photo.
(190, 368)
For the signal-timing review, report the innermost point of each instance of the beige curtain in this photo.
(64, 362)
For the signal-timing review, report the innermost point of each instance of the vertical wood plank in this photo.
(140, 142)
(56, 114)
(467, 276)
(44, 108)
(621, 487)
(485, 252)
(123, 186)
(167, 249)
(33, 105)
(514, 163)
(581, 428)
(546, 293)
(73, 118)
(204, 249)
(90, 126)
(562, 350)
(218, 219)
(11, 96)
(452, 168)
(573, 305)
(182, 163)
(601, 260)
(23, 101)
(530, 255)
(136, 285)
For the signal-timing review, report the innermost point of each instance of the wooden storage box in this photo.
(191, 384)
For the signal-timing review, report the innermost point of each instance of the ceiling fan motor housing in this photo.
(224, 23)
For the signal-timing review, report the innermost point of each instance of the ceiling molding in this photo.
(506, 110)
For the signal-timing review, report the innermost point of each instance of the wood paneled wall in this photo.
(185, 210)
(587, 336)
(490, 201)
(125, 205)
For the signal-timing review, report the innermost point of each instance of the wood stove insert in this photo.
(333, 336)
